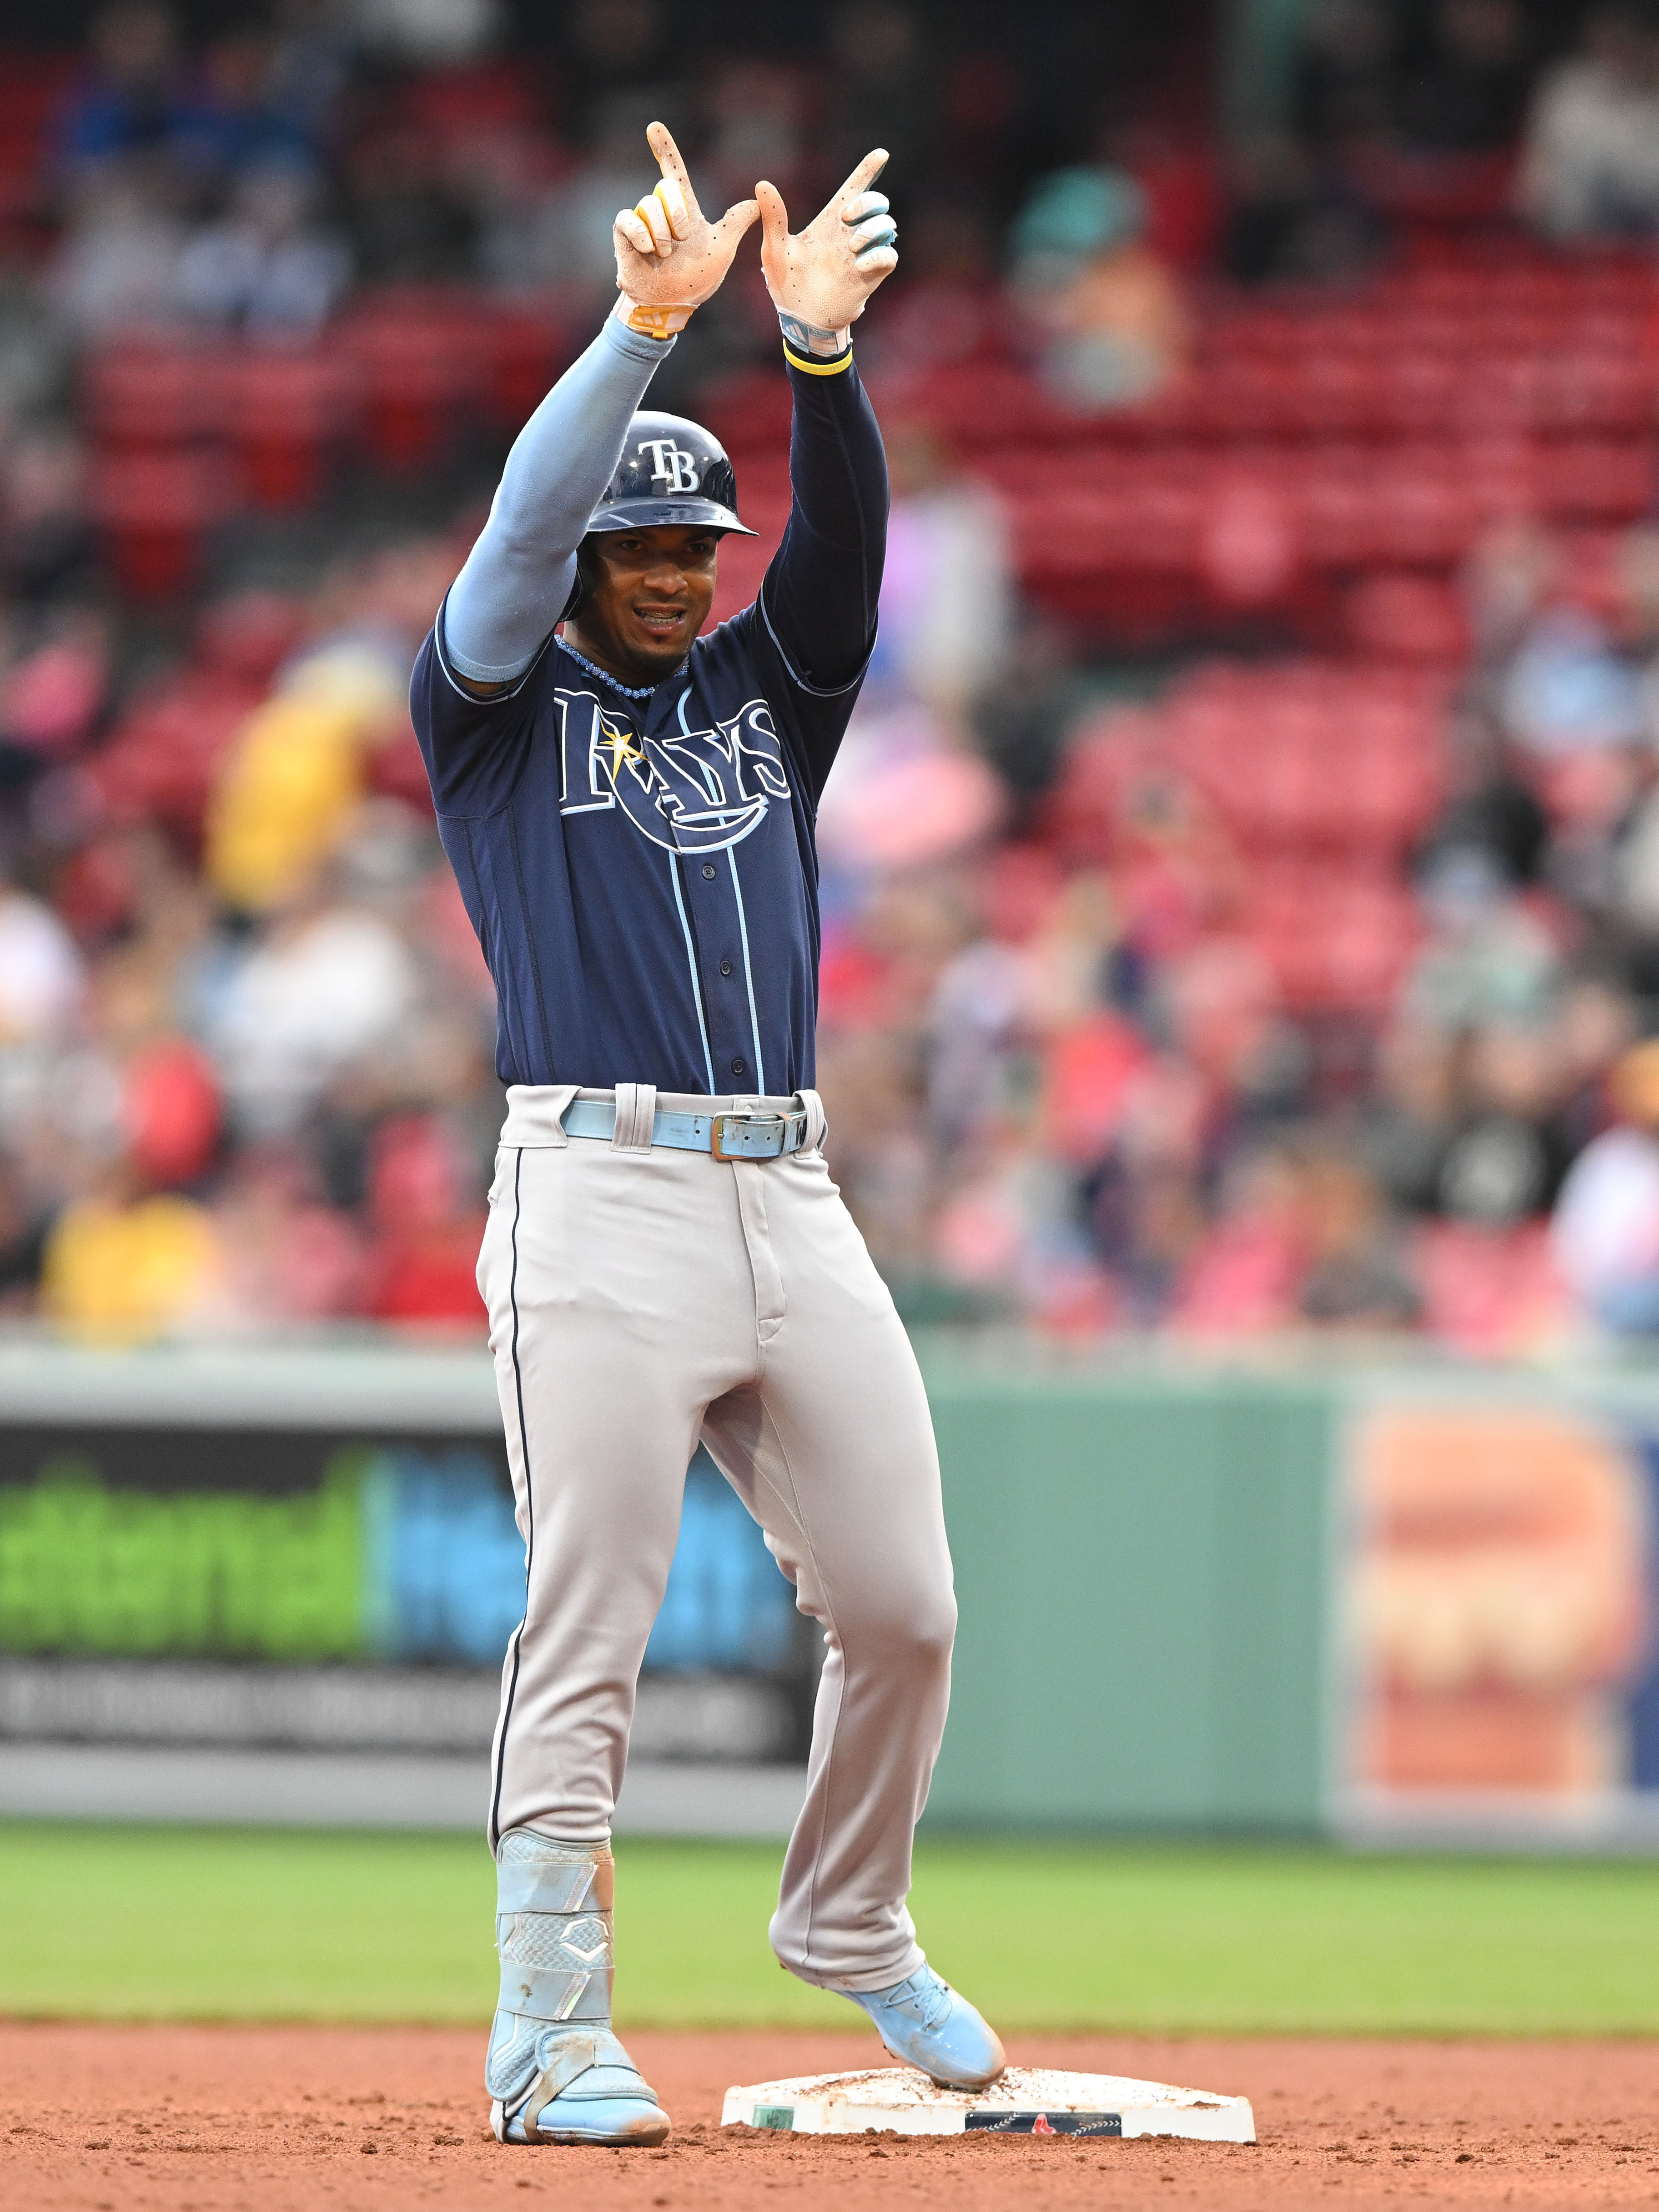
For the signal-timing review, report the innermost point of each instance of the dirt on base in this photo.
(285, 2120)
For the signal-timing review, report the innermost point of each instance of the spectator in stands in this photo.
(423, 1253)
(42, 980)
(289, 1256)
(757, 115)
(46, 545)
(609, 48)
(22, 1242)
(244, 126)
(134, 102)
(1296, 220)
(1606, 1222)
(121, 1268)
(310, 63)
(34, 353)
(53, 695)
(1345, 89)
(947, 592)
(1487, 957)
(563, 240)
(327, 986)
(266, 268)
(1465, 92)
(884, 91)
(411, 221)
(418, 32)
(1591, 163)
(1409, 1119)
(1506, 1160)
(117, 264)
(1112, 316)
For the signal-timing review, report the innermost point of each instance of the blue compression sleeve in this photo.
(513, 590)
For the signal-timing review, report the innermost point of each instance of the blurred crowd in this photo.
(1266, 940)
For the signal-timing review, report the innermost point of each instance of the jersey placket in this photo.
(710, 892)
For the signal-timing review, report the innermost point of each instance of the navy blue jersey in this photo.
(641, 873)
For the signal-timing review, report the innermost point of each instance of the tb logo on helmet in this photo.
(674, 467)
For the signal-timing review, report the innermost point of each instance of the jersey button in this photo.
(726, 967)
(739, 1067)
(708, 871)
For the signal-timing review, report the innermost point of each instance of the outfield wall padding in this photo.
(1141, 1573)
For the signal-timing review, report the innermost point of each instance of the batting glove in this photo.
(670, 258)
(820, 277)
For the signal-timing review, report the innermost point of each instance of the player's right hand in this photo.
(668, 253)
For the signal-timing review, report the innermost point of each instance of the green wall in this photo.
(1141, 1567)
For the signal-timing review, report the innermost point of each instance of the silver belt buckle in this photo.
(717, 1133)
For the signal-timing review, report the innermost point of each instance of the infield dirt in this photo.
(285, 2120)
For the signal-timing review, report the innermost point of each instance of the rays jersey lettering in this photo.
(696, 793)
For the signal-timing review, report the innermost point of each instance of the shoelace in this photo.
(928, 1996)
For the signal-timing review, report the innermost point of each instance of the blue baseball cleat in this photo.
(923, 2021)
(587, 2090)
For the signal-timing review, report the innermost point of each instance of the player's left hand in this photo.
(820, 277)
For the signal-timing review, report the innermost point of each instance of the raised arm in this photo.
(517, 577)
(819, 595)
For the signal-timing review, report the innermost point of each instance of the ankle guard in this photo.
(553, 1932)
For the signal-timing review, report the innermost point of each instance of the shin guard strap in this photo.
(574, 2057)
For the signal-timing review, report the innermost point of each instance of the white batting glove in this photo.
(820, 278)
(670, 258)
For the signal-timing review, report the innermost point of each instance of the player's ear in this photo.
(587, 576)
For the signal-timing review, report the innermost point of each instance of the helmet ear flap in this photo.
(587, 575)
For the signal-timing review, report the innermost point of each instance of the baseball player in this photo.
(628, 807)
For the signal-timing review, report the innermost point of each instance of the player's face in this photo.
(654, 590)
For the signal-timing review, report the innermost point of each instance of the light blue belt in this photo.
(735, 1136)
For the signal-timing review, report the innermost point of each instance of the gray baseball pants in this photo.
(640, 1299)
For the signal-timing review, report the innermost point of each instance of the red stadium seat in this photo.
(153, 510)
(160, 762)
(287, 411)
(149, 395)
(528, 348)
(421, 354)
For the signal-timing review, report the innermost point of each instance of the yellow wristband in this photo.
(816, 367)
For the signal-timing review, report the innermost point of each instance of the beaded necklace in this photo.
(605, 675)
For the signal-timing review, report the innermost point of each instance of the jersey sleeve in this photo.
(817, 608)
(475, 749)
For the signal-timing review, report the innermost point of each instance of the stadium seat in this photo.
(287, 411)
(153, 510)
(421, 354)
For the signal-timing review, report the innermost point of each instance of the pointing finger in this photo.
(660, 139)
(864, 176)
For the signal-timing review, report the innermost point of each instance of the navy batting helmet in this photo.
(671, 471)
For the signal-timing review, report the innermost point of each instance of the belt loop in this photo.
(636, 1115)
(559, 1098)
(818, 1122)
